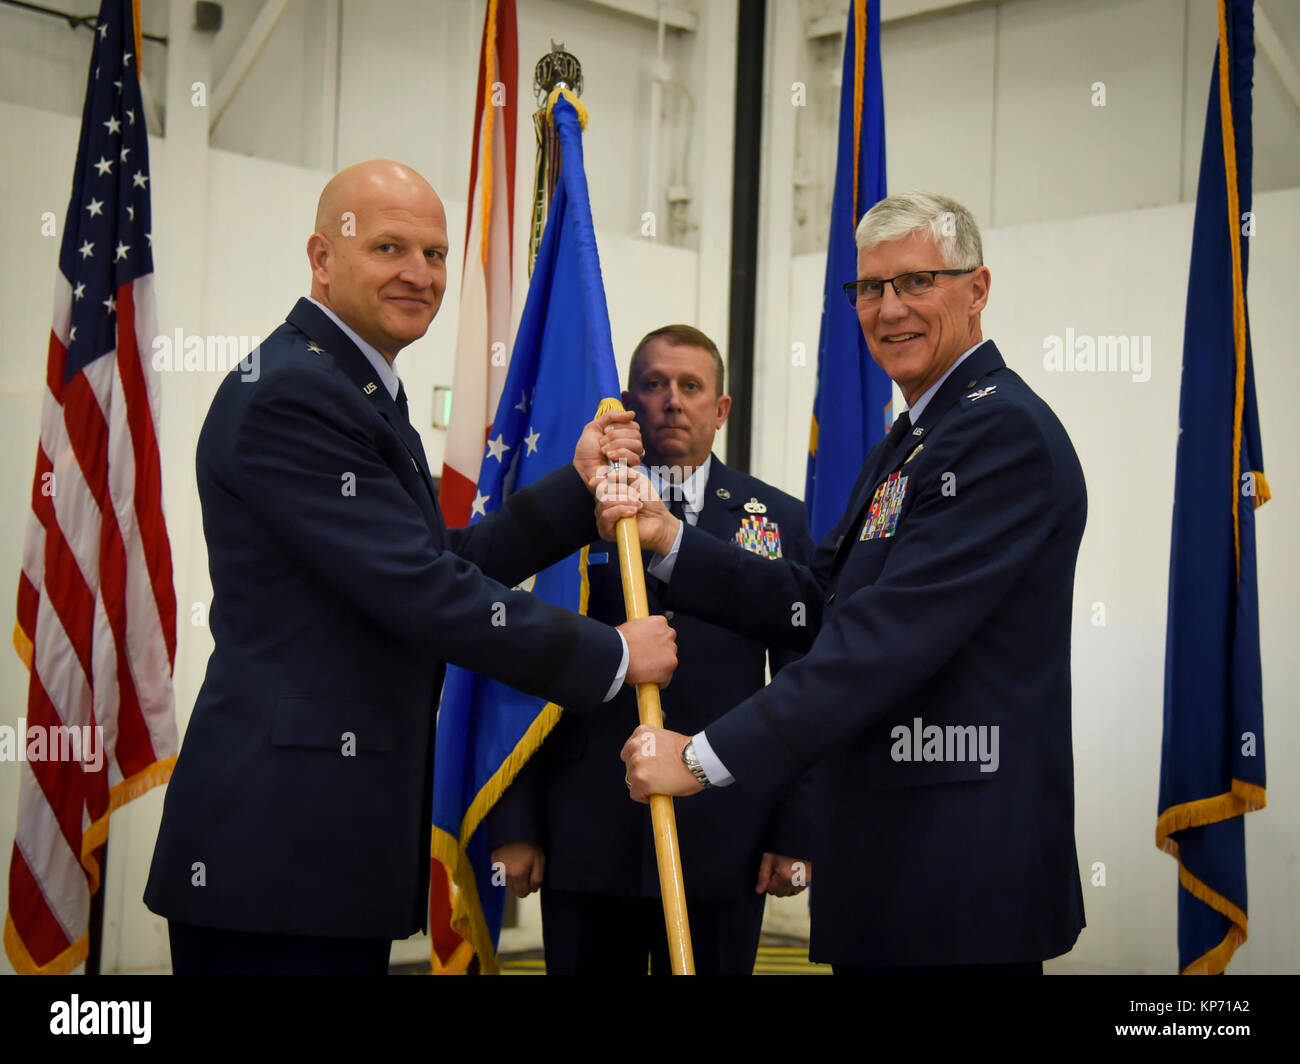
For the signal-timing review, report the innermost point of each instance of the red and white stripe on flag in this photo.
(96, 606)
(482, 343)
(483, 333)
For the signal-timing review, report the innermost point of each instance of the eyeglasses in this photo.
(906, 286)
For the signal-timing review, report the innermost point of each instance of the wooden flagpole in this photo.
(651, 712)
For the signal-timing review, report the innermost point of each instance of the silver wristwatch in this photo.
(692, 761)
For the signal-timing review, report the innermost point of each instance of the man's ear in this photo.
(981, 280)
(318, 253)
(723, 409)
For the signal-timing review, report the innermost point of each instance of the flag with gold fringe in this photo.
(96, 604)
(853, 407)
(482, 342)
(1212, 760)
(561, 367)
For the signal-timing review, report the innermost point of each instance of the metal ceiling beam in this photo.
(245, 56)
(674, 16)
(890, 11)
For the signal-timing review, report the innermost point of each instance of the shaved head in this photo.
(379, 252)
(363, 184)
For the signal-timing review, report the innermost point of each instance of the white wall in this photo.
(995, 104)
(984, 103)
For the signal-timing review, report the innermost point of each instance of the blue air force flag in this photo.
(561, 368)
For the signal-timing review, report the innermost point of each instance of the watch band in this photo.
(691, 760)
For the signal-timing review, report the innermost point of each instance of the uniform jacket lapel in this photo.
(885, 460)
(333, 341)
(873, 471)
(717, 513)
(984, 360)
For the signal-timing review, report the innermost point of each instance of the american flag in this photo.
(96, 607)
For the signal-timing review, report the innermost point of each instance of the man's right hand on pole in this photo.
(629, 492)
(652, 650)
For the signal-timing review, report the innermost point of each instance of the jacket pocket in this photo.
(333, 724)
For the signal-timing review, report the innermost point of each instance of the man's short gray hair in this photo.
(950, 224)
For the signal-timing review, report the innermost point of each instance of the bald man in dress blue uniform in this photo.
(295, 831)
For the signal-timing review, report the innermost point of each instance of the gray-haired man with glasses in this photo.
(935, 691)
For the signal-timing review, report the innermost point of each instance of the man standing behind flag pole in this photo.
(561, 367)
(1212, 760)
(564, 824)
(853, 407)
(96, 606)
(483, 328)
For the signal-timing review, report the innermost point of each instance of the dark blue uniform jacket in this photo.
(952, 613)
(300, 802)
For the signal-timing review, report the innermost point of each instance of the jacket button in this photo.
(668, 615)
(831, 598)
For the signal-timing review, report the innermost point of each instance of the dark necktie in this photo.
(901, 428)
(673, 496)
(676, 500)
(412, 438)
